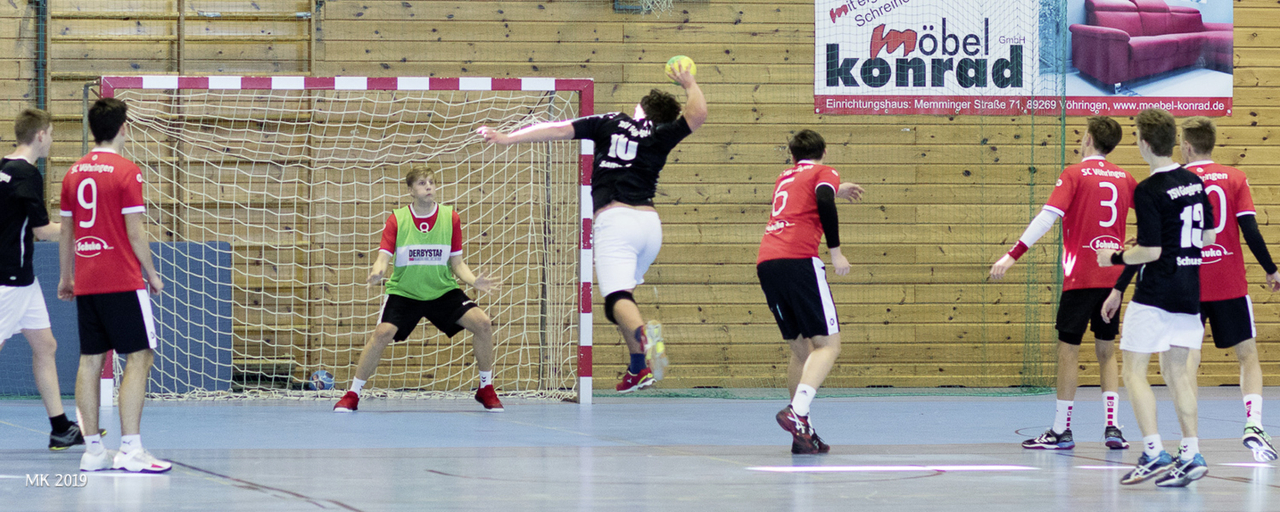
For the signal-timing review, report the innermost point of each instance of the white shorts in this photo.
(22, 307)
(626, 241)
(1149, 330)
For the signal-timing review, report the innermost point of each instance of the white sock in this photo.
(486, 378)
(1190, 447)
(804, 397)
(1153, 446)
(357, 385)
(93, 444)
(1062, 419)
(130, 443)
(1110, 400)
(1253, 410)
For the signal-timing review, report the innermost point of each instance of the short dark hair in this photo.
(30, 122)
(807, 145)
(1200, 133)
(1106, 133)
(106, 116)
(660, 107)
(1159, 129)
(417, 172)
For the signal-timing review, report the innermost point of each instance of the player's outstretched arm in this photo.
(141, 244)
(379, 270)
(1037, 229)
(851, 191)
(695, 105)
(67, 261)
(541, 132)
(480, 281)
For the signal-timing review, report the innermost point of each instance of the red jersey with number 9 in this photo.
(794, 230)
(96, 194)
(1093, 198)
(1222, 274)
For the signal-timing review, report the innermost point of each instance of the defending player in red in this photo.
(630, 152)
(1224, 286)
(794, 278)
(23, 217)
(105, 254)
(425, 240)
(1093, 198)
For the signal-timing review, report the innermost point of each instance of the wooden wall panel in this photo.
(946, 194)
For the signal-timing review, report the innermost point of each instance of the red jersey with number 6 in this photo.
(794, 230)
(1222, 274)
(1093, 198)
(97, 192)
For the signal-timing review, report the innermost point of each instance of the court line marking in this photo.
(852, 469)
(253, 486)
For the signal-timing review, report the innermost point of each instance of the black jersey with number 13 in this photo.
(629, 154)
(1172, 210)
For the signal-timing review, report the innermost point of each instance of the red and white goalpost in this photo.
(299, 173)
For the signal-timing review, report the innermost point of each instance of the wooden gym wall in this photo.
(946, 195)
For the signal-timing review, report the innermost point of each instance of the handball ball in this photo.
(321, 380)
(671, 64)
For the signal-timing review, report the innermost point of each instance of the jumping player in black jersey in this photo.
(630, 152)
(1175, 221)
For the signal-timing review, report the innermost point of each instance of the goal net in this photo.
(268, 197)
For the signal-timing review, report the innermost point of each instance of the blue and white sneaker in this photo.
(1257, 440)
(1184, 472)
(1051, 440)
(1115, 440)
(1148, 467)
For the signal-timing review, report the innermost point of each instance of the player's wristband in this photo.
(1018, 250)
(1117, 258)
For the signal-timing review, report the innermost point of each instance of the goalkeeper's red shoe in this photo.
(636, 381)
(349, 403)
(489, 398)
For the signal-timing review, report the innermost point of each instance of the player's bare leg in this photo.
(476, 321)
(1193, 371)
(627, 313)
(801, 347)
(133, 389)
(823, 356)
(1154, 459)
(1250, 368)
(1255, 438)
(1068, 370)
(88, 387)
(370, 356)
(44, 365)
(1190, 465)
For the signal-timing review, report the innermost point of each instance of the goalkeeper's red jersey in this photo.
(1094, 198)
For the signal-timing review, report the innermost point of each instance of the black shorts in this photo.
(1078, 308)
(798, 296)
(115, 321)
(443, 312)
(1231, 320)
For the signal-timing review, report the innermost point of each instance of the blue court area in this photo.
(633, 453)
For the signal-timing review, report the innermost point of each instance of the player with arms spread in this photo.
(794, 278)
(630, 152)
(425, 239)
(1175, 220)
(105, 254)
(23, 218)
(1093, 198)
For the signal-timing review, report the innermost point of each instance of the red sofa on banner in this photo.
(1129, 39)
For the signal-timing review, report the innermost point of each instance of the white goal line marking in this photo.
(867, 469)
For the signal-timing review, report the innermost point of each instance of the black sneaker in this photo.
(1051, 440)
(1115, 440)
(72, 437)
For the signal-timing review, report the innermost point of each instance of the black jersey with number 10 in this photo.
(1173, 211)
(629, 154)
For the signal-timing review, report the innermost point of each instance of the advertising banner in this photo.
(1012, 57)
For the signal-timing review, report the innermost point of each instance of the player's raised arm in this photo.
(541, 132)
(1037, 229)
(695, 106)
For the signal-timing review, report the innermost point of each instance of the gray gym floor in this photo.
(633, 453)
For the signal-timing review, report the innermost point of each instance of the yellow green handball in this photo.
(682, 61)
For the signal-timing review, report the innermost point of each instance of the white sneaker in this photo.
(92, 462)
(140, 461)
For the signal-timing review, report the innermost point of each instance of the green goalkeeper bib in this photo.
(421, 270)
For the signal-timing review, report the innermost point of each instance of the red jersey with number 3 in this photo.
(1093, 198)
(794, 230)
(1222, 274)
(97, 192)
